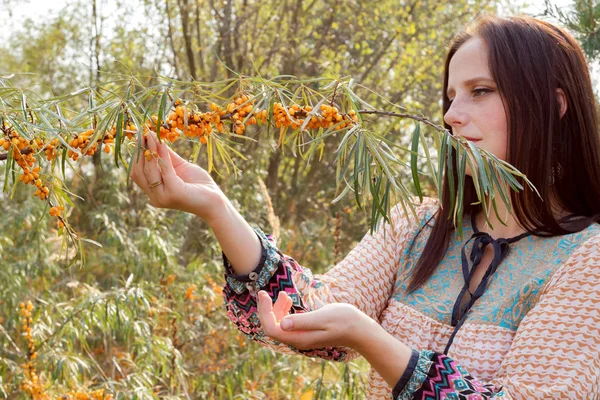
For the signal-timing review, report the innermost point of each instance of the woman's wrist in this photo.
(236, 237)
(386, 354)
(219, 214)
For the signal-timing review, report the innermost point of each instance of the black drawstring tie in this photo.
(481, 241)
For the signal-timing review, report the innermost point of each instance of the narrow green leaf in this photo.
(24, 107)
(63, 162)
(498, 188)
(9, 166)
(413, 160)
(461, 156)
(18, 127)
(359, 150)
(430, 165)
(161, 112)
(441, 165)
(480, 171)
(342, 194)
(450, 171)
(343, 170)
(209, 154)
(118, 136)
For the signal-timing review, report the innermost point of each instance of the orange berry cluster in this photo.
(55, 212)
(51, 149)
(94, 395)
(25, 310)
(82, 140)
(32, 384)
(198, 124)
(294, 117)
(128, 130)
(150, 155)
(239, 109)
(22, 151)
(189, 293)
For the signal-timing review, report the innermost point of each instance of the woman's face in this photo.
(476, 110)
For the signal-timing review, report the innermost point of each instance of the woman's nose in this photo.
(456, 115)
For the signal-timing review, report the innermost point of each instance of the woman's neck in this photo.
(509, 227)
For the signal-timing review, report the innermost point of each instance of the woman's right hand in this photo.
(184, 186)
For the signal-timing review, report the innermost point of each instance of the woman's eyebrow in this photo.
(470, 82)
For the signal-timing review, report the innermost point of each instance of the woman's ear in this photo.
(562, 101)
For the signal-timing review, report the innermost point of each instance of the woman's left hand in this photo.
(334, 324)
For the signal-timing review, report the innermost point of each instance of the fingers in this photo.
(151, 169)
(303, 340)
(166, 161)
(312, 321)
(282, 306)
(137, 170)
(265, 312)
(176, 159)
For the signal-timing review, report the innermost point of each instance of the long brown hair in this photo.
(529, 60)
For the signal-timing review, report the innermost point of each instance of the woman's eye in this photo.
(479, 92)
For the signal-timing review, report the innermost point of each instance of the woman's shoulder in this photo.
(590, 238)
(410, 217)
(582, 267)
(424, 208)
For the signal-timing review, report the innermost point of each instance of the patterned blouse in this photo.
(531, 330)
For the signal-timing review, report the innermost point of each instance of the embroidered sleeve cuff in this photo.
(448, 379)
(409, 384)
(412, 363)
(261, 274)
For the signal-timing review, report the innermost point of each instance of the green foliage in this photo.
(120, 321)
(583, 19)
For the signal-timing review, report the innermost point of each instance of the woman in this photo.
(512, 309)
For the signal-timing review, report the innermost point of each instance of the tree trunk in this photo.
(171, 42)
(187, 40)
(201, 64)
(226, 29)
(94, 80)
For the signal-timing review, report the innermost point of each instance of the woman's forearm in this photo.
(386, 354)
(236, 237)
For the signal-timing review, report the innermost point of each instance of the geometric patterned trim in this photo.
(448, 380)
(419, 375)
(276, 275)
(265, 268)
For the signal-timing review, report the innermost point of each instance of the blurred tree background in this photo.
(143, 317)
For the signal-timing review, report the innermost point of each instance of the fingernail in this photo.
(286, 324)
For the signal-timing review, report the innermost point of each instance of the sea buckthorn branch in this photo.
(368, 164)
(31, 385)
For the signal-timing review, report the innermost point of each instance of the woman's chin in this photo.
(468, 171)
